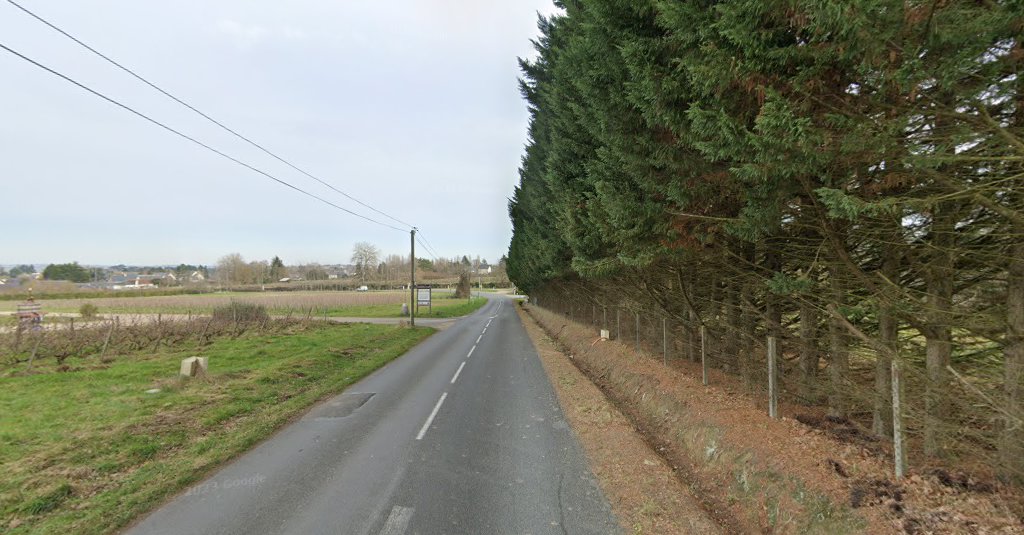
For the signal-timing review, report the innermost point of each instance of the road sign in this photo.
(423, 296)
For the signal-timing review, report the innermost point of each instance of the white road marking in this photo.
(483, 331)
(471, 350)
(458, 371)
(479, 337)
(398, 521)
(426, 424)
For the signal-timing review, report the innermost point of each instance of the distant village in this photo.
(232, 270)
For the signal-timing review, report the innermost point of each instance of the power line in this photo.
(427, 249)
(203, 115)
(426, 245)
(192, 139)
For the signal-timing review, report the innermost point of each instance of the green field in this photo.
(297, 304)
(87, 450)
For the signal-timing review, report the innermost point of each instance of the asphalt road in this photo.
(461, 435)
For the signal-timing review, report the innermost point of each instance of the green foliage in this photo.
(67, 272)
(241, 312)
(88, 310)
(277, 269)
(49, 501)
(733, 148)
(23, 269)
(785, 284)
(843, 206)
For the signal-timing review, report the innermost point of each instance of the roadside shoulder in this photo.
(641, 487)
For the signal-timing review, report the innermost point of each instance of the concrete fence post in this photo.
(899, 453)
(773, 393)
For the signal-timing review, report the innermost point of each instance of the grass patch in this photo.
(115, 451)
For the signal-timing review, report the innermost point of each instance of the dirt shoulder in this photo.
(643, 490)
(753, 473)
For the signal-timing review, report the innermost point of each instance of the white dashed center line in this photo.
(471, 350)
(433, 413)
(458, 371)
(478, 338)
(398, 521)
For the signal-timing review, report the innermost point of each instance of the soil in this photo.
(643, 489)
(829, 456)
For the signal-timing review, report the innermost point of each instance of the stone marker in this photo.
(605, 334)
(193, 367)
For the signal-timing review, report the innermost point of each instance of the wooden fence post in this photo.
(704, 354)
(773, 394)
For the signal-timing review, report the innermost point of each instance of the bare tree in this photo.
(366, 257)
(232, 269)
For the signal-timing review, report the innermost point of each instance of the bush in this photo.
(88, 310)
(463, 289)
(241, 313)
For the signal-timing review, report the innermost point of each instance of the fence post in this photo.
(637, 332)
(773, 394)
(593, 314)
(604, 320)
(618, 323)
(899, 455)
(664, 339)
(704, 354)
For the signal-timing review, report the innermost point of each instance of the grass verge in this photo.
(87, 451)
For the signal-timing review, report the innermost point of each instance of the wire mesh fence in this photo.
(853, 393)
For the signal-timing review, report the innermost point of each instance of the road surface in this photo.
(461, 435)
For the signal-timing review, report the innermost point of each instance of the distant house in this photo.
(132, 281)
(484, 267)
(196, 276)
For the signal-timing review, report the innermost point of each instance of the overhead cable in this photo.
(202, 114)
(190, 138)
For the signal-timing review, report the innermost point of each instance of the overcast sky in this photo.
(411, 106)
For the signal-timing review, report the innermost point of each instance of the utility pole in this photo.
(412, 273)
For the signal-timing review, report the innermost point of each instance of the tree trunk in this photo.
(773, 306)
(839, 353)
(1012, 443)
(714, 318)
(733, 331)
(1011, 447)
(938, 332)
(692, 319)
(809, 356)
(888, 333)
(749, 321)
